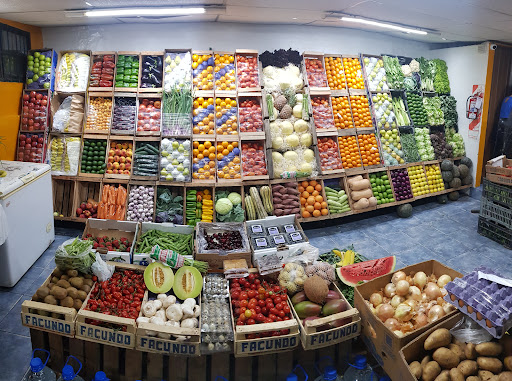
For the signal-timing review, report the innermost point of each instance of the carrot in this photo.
(121, 196)
(111, 212)
(104, 194)
(111, 195)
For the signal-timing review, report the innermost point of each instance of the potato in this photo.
(467, 367)
(77, 304)
(57, 273)
(505, 376)
(491, 349)
(443, 376)
(64, 277)
(67, 302)
(82, 295)
(431, 371)
(446, 358)
(50, 299)
(76, 282)
(43, 292)
(456, 375)
(470, 351)
(88, 276)
(86, 288)
(36, 298)
(457, 349)
(50, 285)
(59, 292)
(73, 292)
(508, 362)
(439, 338)
(489, 363)
(416, 370)
(473, 378)
(485, 375)
(494, 378)
(63, 283)
(72, 273)
(425, 361)
(88, 282)
(55, 279)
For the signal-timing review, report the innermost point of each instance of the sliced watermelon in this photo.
(352, 275)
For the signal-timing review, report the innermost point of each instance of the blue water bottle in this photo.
(328, 373)
(39, 371)
(100, 376)
(68, 373)
(293, 376)
(359, 371)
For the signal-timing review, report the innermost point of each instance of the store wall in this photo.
(467, 66)
(227, 37)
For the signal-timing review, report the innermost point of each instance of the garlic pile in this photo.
(167, 311)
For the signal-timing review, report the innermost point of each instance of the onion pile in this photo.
(410, 302)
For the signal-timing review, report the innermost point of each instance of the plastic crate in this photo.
(500, 194)
(495, 232)
(497, 213)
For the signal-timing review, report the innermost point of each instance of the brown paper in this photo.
(75, 122)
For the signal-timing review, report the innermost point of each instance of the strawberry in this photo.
(95, 245)
(115, 243)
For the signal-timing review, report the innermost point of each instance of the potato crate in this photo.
(48, 317)
(161, 342)
(123, 338)
(313, 336)
(499, 194)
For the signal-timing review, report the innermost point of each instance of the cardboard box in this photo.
(415, 351)
(381, 342)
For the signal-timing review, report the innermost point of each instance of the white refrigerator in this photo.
(27, 215)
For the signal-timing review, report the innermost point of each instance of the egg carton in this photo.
(486, 302)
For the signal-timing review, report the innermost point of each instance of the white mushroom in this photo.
(161, 315)
(149, 309)
(161, 297)
(197, 311)
(171, 299)
(156, 320)
(190, 301)
(174, 312)
(142, 319)
(172, 323)
(189, 323)
(157, 303)
(188, 311)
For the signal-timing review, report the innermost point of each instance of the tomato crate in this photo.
(122, 336)
(497, 193)
(164, 339)
(312, 336)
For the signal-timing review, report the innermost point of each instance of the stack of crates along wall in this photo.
(495, 220)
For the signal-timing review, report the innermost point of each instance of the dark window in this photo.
(14, 47)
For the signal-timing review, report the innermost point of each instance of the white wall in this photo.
(466, 67)
(228, 37)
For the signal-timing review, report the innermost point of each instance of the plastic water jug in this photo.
(220, 378)
(68, 373)
(100, 376)
(359, 371)
(328, 373)
(293, 376)
(39, 371)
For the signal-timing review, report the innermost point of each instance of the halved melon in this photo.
(188, 283)
(360, 272)
(159, 278)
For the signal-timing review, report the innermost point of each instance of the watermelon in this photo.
(404, 211)
(352, 275)
(442, 199)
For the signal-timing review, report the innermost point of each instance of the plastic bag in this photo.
(61, 117)
(3, 226)
(468, 331)
(303, 254)
(75, 254)
(102, 269)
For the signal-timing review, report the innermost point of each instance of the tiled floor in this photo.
(443, 232)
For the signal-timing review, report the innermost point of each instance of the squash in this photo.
(354, 179)
(404, 211)
(453, 196)
(361, 184)
(266, 197)
(260, 210)
(361, 204)
(357, 195)
(249, 208)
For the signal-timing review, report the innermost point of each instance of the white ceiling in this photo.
(449, 20)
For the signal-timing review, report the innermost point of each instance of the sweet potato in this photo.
(446, 358)
(490, 349)
(439, 338)
(279, 212)
(489, 363)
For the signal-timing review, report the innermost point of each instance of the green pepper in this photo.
(135, 65)
(119, 77)
(133, 85)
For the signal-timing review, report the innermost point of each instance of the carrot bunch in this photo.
(113, 203)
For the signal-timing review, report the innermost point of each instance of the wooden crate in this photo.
(58, 73)
(342, 184)
(307, 78)
(247, 53)
(210, 84)
(220, 66)
(349, 192)
(63, 198)
(144, 115)
(100, 55)
(89, 112)
(246, 175)
(253, 135)
(124, 132)
(84, 190)
(195, 175)
(321, 217)
(325, 94)
(110, 336)
(497, 170)
(91, 176)
(175, 191)
(312, 336)
(150, 89)
(335, 92)
(153, 141)
(123, 140)
(23, 128)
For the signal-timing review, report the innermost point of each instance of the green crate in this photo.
(500, 194)
(495, 232)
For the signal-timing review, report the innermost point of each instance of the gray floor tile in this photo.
(467, 262)
(395, 241)
(414, 255)
(15, 355)
(12, 321)
(8, 299)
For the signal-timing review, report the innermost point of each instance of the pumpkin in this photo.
(442, 199)
(447, 176)
(468, 180)
(446, 165)
(404, 211)
(466, 161)
(453, 196)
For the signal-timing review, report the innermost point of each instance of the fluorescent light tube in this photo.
(383, 25)
(144, 12)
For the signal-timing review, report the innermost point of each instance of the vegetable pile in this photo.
(391, 147)
(127, 71)
(456, 141)
(342, 114)
(180, 243)
(175, 160)
(176, 106)
(119, 159)
(442, 150)
(402, 117)
(322, 112)
(329, 154)
(123, 117)
(99, 114)
(34, 112)
(424, 144)
(102, 71)
(432, 107)
(76, 255)
(258, 203)
(202, 71)
(253, 159)
(198, 207)
(228, 207)
(418, 180)
(381, 188)
(315, 72)
(73, 72)
(247, 71)
(449, 109)
(401, 184)
(337, 200)
(178, 70)
(145, 161)
(169, 208)
(64, 155)
(285, 199)
(39, 70)
(148, 117)
(374, 69)
(441, 81)
(112, 244)
(394, 74)
(152, 74)
(140, 204)
(311, 200)
(93, 156)
(416, 109)
(112, 204)
(361, 193)
(427, 74)
(409, 146)
(250, 115)
(30, 147)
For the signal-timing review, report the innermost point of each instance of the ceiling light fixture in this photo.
(383, 25)
(87, 3)
(294, 18)
(143, 12)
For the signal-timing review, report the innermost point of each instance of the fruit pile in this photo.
(434, 178)
(361, 111)
(203, 116)
(251, 118)
(228, 160)
(127, 71)
(381, 188)
(87, 209)
(121, 296)
(39, 70)
(230, 240)
(148, 118)
(102, 71)
(99, 114)
(337, 200)
(34, 112)
(199, 207)
(401, 184)
(335, 73)
(349, 152)
(391, 147)
(93, 156)
(369, 149)
(202, 71)
(374, 69)
(353, 73)
(315, 72)
(329, 154)
(342, 114)
(247, 71)
(253, 159)
(416, 109)
(175, 159)
(123, 117)
(30, 147)
(112, 244)
(384, 115)
(119, 158)
(322, 112)
(255, 300)
(311, 200)
(226, 116)
(203, 166)
(225, 72)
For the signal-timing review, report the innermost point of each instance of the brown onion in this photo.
(398, 276)
(390, 290)
(421, 320)
(402, 287)
(392, 324)
(414, 293)
(447, 307)
(399, 333)
(385, 311)
(443, 280)
(420, 279)
(376, 299)
(403, 312)
(432, 290)
(396, 300)
(407, 327)
(435, 313)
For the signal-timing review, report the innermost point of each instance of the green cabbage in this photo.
(223, 206)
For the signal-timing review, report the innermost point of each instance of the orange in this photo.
(313, 183)
(305, 184)
(316, 213)
(310, 208)
(310, 189)
(317, 205)
(305, 194)
(324, 212)
(318, 187)
(319, 199)
(311, 200)
(306, 214)
(301, 189)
